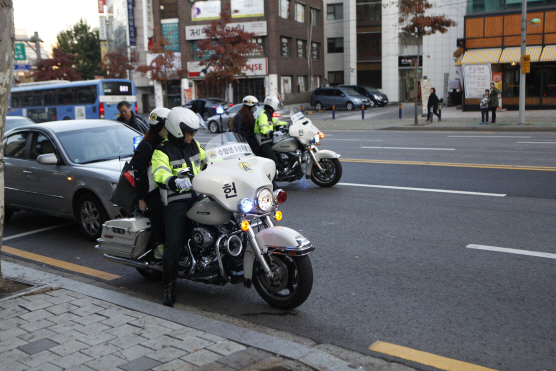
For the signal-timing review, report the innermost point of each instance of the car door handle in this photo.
(27, 172)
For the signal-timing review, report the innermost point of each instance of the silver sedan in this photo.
(67, 169)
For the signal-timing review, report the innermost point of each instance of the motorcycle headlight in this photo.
(265, 200)
(245, 205)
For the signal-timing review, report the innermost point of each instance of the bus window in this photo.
(86, 94)
(117, 88)
(42, 114)
(50, 97)
(65, 96)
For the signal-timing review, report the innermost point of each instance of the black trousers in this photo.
(434, 110)
(484, 115)
(175, 221)
(265, 150)
(493, 110)
(156, 215)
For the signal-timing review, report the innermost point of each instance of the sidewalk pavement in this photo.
(453, 119)
(62, 324)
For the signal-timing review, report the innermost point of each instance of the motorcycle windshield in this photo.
(227, 146)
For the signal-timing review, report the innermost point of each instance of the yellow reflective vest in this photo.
(263, 126)
(167, 161)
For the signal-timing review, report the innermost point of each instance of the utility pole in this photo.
(522, 76)
(35, 39)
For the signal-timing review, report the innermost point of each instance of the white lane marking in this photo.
(485, 136)
(424, 190)
(512, 251)
(425, 149)
(36, 231)
(356, 140)
(538, 142)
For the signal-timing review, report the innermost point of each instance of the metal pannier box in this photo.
(125, 237)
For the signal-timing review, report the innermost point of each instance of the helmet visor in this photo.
(186, 129)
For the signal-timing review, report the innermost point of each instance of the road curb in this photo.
(309, 356)
(471, 128)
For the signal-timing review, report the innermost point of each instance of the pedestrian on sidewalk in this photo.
(484, 104)
(493, 104)
(433, 103)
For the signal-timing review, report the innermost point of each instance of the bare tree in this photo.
(7, 41)
(415, 22)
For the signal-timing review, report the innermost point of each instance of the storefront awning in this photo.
(481, 56)
(459, 62)
(513, 55)
(548, 54)
(458, 52)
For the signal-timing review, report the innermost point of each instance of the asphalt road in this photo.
(393, 260)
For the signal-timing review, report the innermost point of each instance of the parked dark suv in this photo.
(377, 97)
(340, 97)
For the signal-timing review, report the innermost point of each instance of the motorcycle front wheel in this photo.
(291, 284)
(330, 174)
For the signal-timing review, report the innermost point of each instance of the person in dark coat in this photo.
(433, 103)
(148, 194)
(493, 103)
(131, 119)
(244, 122)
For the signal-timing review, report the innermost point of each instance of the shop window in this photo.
(336, 45)
(335, 78)
(315, 50)
(549, 82)
(300, 13)
(285, 50)
(301, 49)
(285, 9)
(335, 11)
(315, 17)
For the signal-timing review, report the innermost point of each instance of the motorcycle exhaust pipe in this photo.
(131, 263)
(234, 247)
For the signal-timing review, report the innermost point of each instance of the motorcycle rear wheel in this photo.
(292, 284)
(331, 174)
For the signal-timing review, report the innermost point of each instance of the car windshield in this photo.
(98, 143)
(350, 91)
(371, 89)
(15, 122)
(226, 146)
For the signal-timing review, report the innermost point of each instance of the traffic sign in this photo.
(20, 52)
(22, 67)
(525, 64)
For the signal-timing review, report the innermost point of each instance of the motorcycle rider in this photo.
(244, 122)
(264, 128)
(148, 193)
(171, 158)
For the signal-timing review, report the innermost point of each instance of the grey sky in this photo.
(49, 17)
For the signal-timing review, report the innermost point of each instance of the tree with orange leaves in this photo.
(116, 64)
(60, 67)
(225, 50)
(165, 64)
(415, 22)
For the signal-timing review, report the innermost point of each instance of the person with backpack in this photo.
(148, 194)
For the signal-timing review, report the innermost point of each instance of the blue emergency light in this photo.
(219, 110)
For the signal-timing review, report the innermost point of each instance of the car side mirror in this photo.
(343, 95)
(47, 159)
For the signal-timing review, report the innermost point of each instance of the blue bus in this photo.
(64, 100)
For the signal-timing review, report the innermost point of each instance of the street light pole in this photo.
(522, 76)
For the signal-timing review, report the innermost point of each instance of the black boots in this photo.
(170, 273)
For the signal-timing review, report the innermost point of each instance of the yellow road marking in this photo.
(451, 164)
(60, 263)
(425, 358)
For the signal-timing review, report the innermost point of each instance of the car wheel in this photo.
(90, 215)
(318, 106)
(349, 106)
(213, 126)
(67, 118)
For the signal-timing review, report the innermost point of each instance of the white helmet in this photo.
(250, 101)
(158, 115)
(181, 120)
(272, 101)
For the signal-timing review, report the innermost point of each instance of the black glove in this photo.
(270, 134)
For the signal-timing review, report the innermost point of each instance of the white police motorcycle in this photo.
(232, 237)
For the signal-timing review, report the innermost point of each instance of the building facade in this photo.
(290, 34)
(492, 46)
